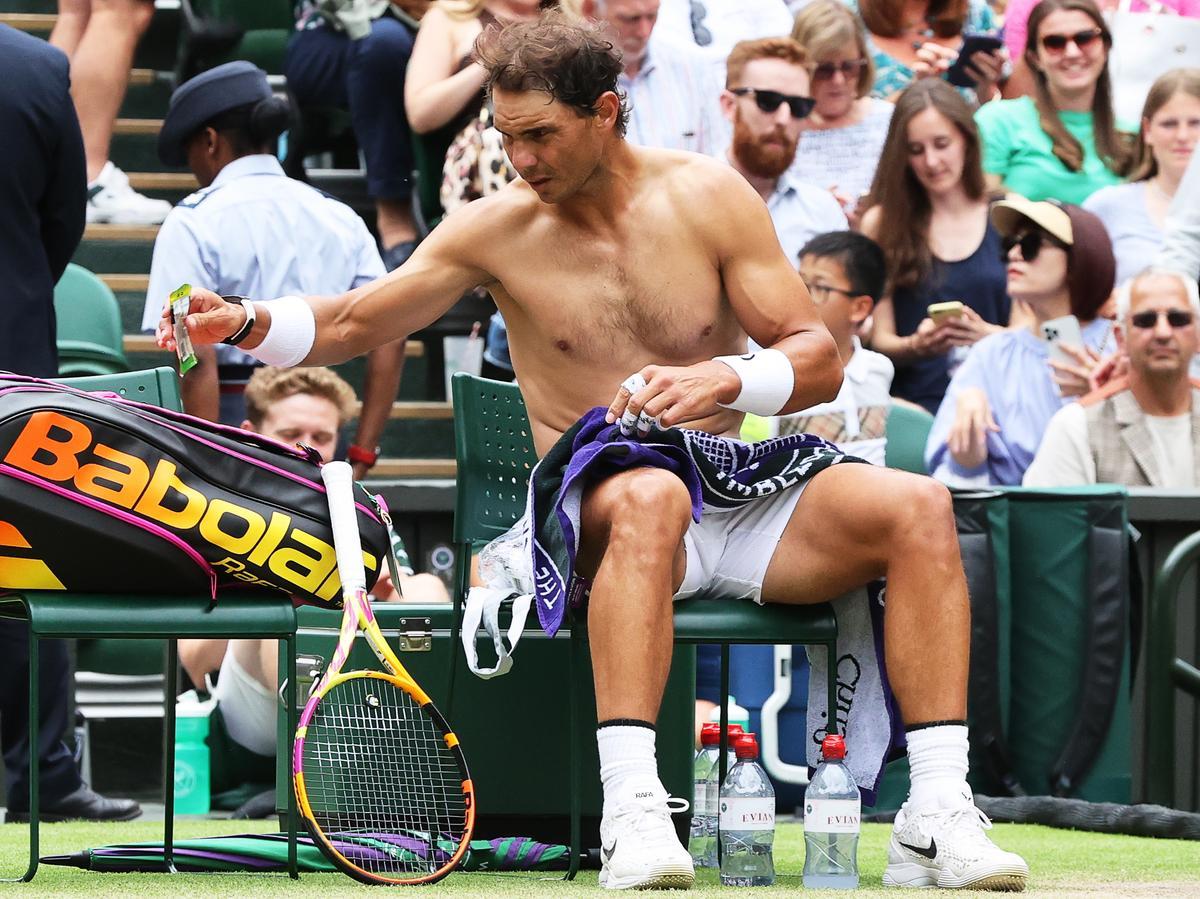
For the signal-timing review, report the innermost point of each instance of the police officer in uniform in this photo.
(252, 231)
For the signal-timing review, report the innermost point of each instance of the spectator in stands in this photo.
(672, 89)
(845, 274)
(1181, 237)
(296, 405)
(910, 40)
(766, 100)
(99, 37)
(43, 187)
(253, 231)
(928, 209)
(1138, 430)
(1016, 18)
(1062, 143)
(343, 55)
(1135, 213)
(444, 93)
(840, 145)
(999, 402)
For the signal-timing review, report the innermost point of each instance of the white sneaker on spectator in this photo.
(639, 849)
(111, 200)
(948, 847)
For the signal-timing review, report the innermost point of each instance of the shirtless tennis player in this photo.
(607, 261)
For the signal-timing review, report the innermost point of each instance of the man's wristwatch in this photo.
(243, 332)
(358, 455)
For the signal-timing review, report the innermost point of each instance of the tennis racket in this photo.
(380, 780)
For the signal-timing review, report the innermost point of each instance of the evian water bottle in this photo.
(746, 819)
(832, 815)
(704, 824)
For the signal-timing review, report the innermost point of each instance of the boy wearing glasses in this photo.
(1139, 430)
(766, 99)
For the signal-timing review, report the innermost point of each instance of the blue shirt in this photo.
(1012, 368)
(673, 101)
(256, 232)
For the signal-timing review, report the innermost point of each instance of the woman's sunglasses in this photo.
(849, 69)
(769, 101)
(1030, 242)
(1176, 318)
(1057, 43)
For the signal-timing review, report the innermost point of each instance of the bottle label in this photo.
(832, 815)
(746, 813)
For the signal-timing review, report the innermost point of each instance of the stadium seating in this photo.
(88, 325)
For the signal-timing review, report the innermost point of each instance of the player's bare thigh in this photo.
(843, 527)
(650, 504)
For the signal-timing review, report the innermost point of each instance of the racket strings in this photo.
(381, 782)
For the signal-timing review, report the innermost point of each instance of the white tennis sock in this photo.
(937, 762)
(626, 752)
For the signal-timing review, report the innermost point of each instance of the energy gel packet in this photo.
(180, 301)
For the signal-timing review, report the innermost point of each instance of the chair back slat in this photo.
(493, 446)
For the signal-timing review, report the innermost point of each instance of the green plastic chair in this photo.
(56, 614)
(493, 445)
(88, 331)
(907, 432)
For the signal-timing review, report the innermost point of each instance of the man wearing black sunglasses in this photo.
(767, 101)
(1140, 429)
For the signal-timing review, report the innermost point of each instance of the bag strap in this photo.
(1106, 639)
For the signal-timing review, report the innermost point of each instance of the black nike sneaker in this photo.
(949, 848)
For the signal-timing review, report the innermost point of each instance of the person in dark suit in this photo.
(43, 193)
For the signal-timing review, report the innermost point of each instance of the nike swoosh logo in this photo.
(606, 852)
(929, 851)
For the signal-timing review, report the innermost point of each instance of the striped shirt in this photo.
(674, 101)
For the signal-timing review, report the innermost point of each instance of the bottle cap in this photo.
(833, 747)
(734, 731)
(745, 746)
(710, 734)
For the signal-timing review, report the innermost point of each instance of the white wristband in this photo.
(767, 381)
(290, 336)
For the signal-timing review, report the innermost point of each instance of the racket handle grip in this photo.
(343, 517)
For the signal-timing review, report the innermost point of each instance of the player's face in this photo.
(765, 142)
(553, 148)
(1161, 348)
(303, 418)
(937, 151)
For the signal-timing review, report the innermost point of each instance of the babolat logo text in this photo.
(273, 552)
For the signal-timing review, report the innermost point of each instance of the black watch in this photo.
(243, 332)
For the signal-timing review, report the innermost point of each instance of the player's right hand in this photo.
(210, 319)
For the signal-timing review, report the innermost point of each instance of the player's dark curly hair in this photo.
(573, 62)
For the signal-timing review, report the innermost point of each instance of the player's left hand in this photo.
(669, 395)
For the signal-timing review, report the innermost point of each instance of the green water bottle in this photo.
(192, 795)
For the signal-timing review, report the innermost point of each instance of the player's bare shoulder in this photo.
(490, 229)
(711, 195)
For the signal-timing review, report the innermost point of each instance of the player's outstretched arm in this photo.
(327, 330)
(770, 300)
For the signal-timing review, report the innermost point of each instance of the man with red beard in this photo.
(766, 99)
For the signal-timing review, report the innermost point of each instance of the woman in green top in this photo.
(1062, 143)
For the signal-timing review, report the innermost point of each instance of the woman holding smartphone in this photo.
(913, 39)
(928, 210)
(1060, 265)
(1135, 213)
(1062, 143)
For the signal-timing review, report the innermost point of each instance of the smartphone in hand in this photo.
(1058, 331)
(957, 74)
(943, 312)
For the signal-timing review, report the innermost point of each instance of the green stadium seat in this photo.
(907, 431)
(88, 331)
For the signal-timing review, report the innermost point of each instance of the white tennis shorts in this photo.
(247, 706)
(729, 550)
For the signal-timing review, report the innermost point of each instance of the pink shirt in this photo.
(1017, 15)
